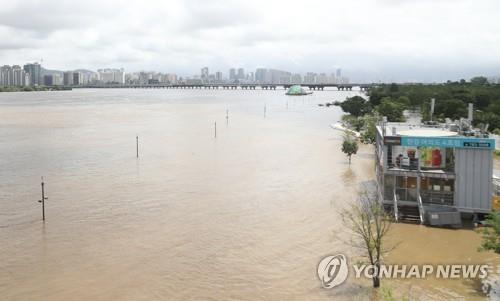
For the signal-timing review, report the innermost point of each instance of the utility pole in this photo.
(43, 200)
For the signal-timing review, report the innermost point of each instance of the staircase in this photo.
(410, 214)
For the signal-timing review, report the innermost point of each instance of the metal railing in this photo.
(395, 206)
(410, 164)
(421, 210)
(437, 197)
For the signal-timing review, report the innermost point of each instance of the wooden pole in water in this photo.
(215, 129)
(137, 146)
(227, 116)
(43, 200)
(265, 109)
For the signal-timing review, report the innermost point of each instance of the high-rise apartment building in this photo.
(77, 78)
(6, 76)
(204, 74)
(111, 76)
(218, 76)
(241, 73)
(68, 78)
(232, 74)
(13, 76)
(35, 72)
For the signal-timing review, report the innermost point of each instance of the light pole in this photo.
(43, 200)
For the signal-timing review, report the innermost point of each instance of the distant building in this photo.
(204, 74)
(232, 74)
(310, 78)
(35, 72)
(250, 77)
(48, 80)
(339, 73)
(18, 76)
(274, 76)
(260, 75)
(13, 76)
(112, 76)
(322, 78)
(241, 73)
(6, 76)
(77, 78)
(296, 79)
(57, 79)
(68, 78)
(218, 76)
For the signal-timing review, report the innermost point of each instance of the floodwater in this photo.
(243, 216)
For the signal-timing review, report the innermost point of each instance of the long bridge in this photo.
(321, 87)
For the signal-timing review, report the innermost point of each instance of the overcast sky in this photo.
(371, 40)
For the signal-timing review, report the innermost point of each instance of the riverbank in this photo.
(33, 89)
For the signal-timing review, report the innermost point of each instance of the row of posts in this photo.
(44, 198)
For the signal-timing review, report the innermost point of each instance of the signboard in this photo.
(392, 140)
(455, 142)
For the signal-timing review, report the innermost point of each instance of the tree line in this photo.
(451, 101)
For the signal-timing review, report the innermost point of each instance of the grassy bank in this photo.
(33, 89)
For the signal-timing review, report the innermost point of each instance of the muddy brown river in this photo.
(243, 216)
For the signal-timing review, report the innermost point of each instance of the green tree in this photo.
(391, 109)
(491, 235)
(404, 101)
(353, 122)
(369, 133)
(375, 96)
(394, 88)
(482, 100)
(494, 107)
(479, 80)
(451, 108)
(487, 118)
(356, 106)
(349, 146)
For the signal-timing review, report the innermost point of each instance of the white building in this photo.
(111, 76)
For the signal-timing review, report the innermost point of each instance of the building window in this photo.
(406, 188)
(437, 191)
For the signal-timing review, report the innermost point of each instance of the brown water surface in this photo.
(245, 216)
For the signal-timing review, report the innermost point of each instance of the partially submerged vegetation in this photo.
(350, 145)
(32, 88)
(491, 234)
(369, 224)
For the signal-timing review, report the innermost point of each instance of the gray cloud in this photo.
(371, 39)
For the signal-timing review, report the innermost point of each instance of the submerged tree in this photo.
(491, 235)
(350, 145)
(356, 106)
(370, 224)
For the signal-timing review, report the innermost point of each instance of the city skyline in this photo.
(385, 40)
(34, 74)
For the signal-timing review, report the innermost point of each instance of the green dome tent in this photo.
(296, 90)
